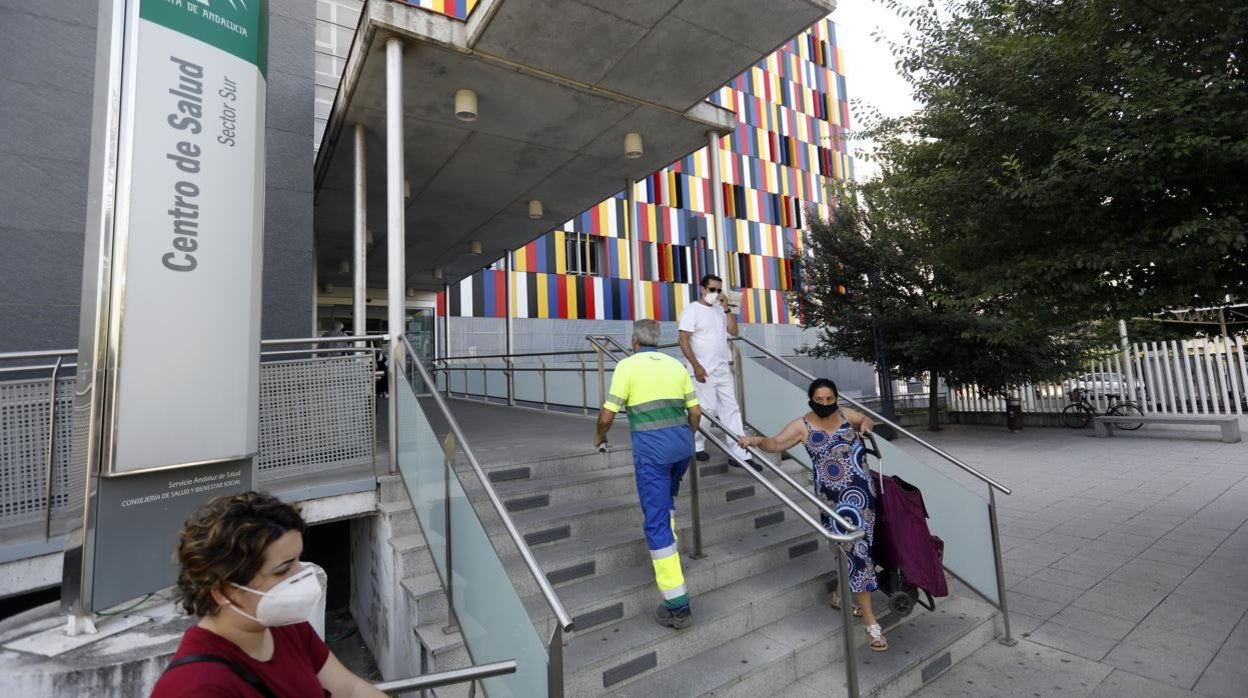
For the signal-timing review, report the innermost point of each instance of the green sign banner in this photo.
(239, 27)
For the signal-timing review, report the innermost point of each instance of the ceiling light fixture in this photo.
(466, 105)
(474, 247)
(632, 145)
(535, 209)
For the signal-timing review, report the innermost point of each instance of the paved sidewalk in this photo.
(1126, 561)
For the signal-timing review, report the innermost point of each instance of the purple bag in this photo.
(902, 539)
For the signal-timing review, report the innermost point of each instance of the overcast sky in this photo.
(869, 73)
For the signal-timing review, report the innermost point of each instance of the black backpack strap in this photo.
(239, 670)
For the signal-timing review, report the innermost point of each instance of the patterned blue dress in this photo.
(843, 479)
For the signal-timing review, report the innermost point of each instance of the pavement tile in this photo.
(1035, 553)
(1084, 527)
(1203, 616)
(1152, 574)
(1092, 562)
(1027, 669)
(1124, 684)
(1033, 605)
(1017, 570)
(1083, 582)
(1189, 547)
(1120, 601)
(1078, 643)
(1062, 542)
(1094, 623)
(1020, 623)
(1047, 590)
(1125, 542)
(1172, 557)
(1166, 656)
(1226, 676)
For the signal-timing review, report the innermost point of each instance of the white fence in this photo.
(1192, 376)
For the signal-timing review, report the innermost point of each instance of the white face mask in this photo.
(712, 297)
(290, 601)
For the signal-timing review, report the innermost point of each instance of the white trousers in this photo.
(718, 396)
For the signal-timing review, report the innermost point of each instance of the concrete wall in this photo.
(47, 57)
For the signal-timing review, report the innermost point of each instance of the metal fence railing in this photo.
(316, 417)
(1183, 377)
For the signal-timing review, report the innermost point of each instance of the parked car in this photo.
(1103, 384)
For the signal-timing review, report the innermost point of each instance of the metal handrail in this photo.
(512, 356)
(320, 340)
(448, 678)
(548, 591)
(880, 418)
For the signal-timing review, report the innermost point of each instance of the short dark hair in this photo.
(707, 278)
(821, 383)
(224, 542)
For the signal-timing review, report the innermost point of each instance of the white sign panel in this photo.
(189, 234)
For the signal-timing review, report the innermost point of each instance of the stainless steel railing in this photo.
(838, 540)
(876, 416)
(563, 619)
(447, 678)
(36, 424)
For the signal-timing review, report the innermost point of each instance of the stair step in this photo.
(428, 597)
(719, 615)
(595, 600)
(803, 654)
(920, 648)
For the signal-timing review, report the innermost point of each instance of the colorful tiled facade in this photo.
(788, 147)
(455, 9)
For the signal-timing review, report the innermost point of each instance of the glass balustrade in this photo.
(491, 615)
(958, 515)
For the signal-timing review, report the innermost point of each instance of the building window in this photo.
(583, 253)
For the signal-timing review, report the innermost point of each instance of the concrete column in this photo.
(396, 278)
(359, 263)
(717, 208)
(634, 249)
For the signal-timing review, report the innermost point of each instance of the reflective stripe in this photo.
(658, 424)
(663, 553)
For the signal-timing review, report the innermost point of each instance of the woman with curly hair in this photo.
(241, 576)
(832, 438)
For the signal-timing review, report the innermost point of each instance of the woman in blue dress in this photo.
(832, 436)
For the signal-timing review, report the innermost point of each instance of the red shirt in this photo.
(298, 655)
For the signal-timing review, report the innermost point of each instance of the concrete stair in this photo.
(760, 593)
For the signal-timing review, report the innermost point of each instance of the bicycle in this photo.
(1080, 414)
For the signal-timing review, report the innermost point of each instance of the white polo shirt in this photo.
(708, 326)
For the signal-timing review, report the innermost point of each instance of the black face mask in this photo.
(822, 411)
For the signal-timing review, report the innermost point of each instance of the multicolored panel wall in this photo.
(455, 9)
(778, 165)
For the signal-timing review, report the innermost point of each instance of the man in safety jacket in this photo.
(663, 415)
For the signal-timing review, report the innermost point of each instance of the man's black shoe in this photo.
(673, 619)
(702, 456)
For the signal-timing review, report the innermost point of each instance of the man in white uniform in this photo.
(704, 329)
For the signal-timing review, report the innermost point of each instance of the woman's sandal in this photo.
(875, 637)
(834, 601)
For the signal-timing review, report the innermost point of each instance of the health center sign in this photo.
(189, 316)
(166, 404)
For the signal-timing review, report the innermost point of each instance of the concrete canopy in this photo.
(559, 84)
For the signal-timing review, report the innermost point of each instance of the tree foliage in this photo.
(1077, 160)
(872, 267)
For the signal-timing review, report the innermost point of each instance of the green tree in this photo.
(869, 270)
(1077, 160)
